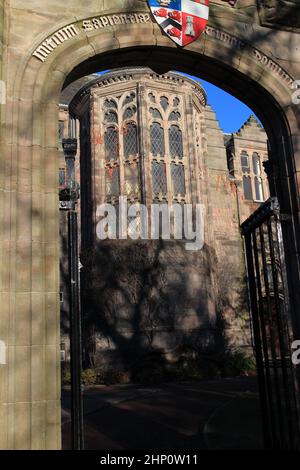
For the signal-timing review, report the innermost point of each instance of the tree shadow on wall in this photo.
(150, 299)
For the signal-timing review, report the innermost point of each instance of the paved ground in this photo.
(221, 414)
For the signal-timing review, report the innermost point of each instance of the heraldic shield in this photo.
(182, 20)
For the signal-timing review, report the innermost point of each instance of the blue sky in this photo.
(231, 113)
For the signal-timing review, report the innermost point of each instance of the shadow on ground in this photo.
(221, 414)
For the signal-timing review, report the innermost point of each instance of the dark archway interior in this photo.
(249, 91)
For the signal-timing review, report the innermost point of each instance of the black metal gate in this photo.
(272, 329)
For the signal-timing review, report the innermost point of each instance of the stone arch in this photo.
(33, 133)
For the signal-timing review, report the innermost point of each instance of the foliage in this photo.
(111, 376)
(236, 363)
(89, 377)
(66, 376)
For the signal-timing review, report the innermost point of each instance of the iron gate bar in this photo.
(257, 340)
(269, 306)
(262, 328)
(281, 330)
(271, 326)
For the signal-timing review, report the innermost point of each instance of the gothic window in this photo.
(152, 97)
(175, 142)
(155, 113)
(132, 181)
(178, 183)
(130, 139)
(252, 177)
(176, 101)
(164, 102)
(112, 181)
(109, 103)
(157, 139)
(111, 117)
(159, 180)
(174, 116)
(257, 177)
(129, 112)
(129, 98)
(111, 143)
(245, 162)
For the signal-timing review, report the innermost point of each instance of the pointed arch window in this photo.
(111, 117)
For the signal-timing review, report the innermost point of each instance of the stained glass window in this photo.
(159, 181)
(111, 143)
(178, 183)
(112, 181)
(130, 139)
(175, 142)
(157, 139)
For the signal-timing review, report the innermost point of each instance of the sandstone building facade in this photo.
(153, 139)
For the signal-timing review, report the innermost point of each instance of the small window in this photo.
(129, 112)
(108, 103)
(247, 188)
(129, 98)
(157, 139)
(164, 103)
(111, 117)
(176, 101)
(178, 183)
(245, 162)
(130, 139)
(132, 181)
(175, 142)
(256, 164)
(259, 195)
(155, 113)
(111, 143)
(174, 116)
(112, 181)
(152, 98)
(159, 180)
(61, 130)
